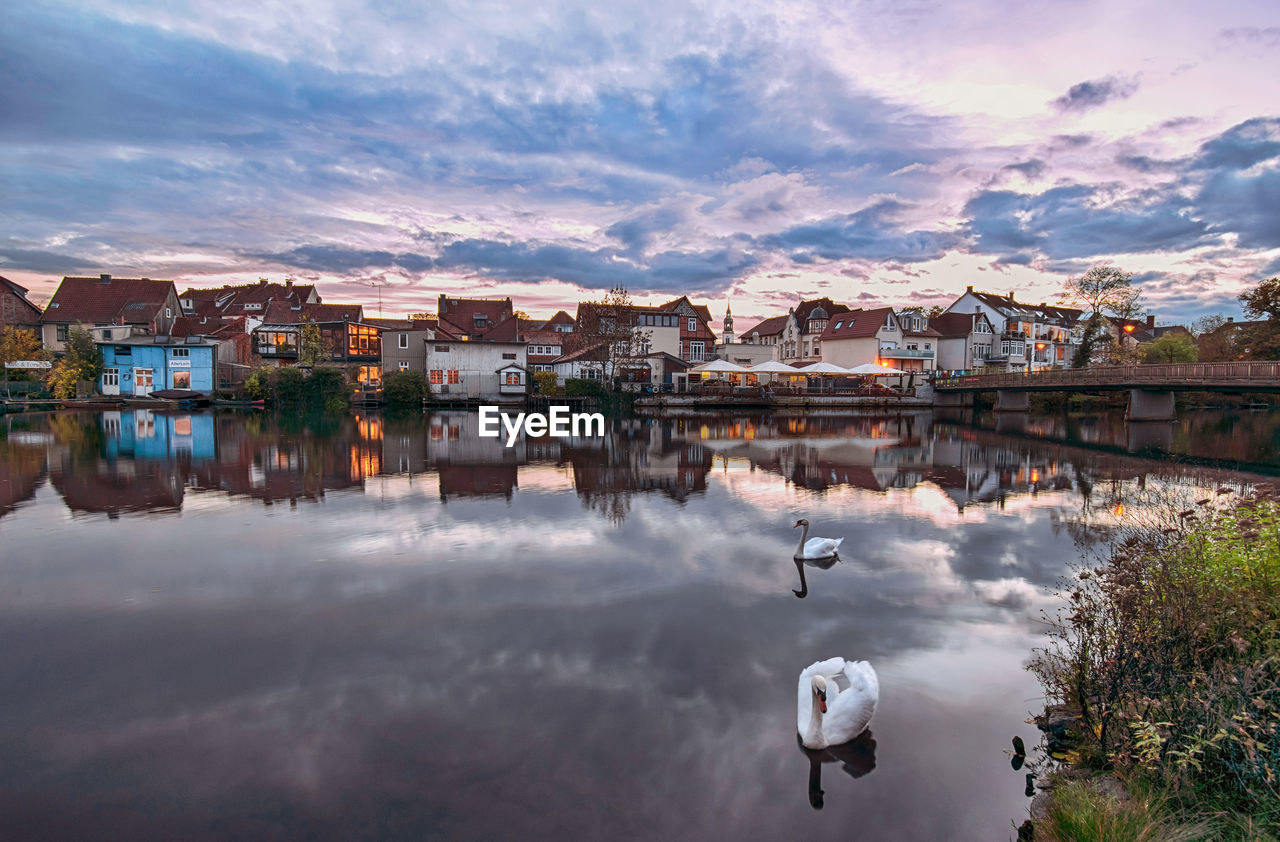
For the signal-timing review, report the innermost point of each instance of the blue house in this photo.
(140, 365)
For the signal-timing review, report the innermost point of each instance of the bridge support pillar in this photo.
(953, 400)
(1145, 405)
(1012, 401)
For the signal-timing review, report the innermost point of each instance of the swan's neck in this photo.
(813, 735)
(803, 535)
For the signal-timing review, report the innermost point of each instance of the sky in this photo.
(745, 152)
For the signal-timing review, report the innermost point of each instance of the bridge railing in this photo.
(1136, 375)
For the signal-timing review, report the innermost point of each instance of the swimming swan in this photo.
(837, 699)
(815, 547)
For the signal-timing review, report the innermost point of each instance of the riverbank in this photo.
(1163, 673)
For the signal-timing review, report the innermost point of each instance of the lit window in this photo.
(404, 365)
(453, 377)
(437, 376)
(513, 378)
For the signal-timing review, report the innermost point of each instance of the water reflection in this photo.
(856, 758)
(444, 638)
(820, 563)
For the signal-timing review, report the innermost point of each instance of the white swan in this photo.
(837, 699)
(815, 547)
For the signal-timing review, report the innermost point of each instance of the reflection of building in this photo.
(21, 469)
(648, 455)
(467, 464)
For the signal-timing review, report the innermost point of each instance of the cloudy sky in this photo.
(877, 152)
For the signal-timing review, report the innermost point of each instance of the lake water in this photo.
(225, 626)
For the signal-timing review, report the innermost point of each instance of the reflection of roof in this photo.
(107, 300)
(477, 480)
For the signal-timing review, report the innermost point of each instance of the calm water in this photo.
(229, 627)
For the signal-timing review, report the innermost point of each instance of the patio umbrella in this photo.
(773, 367)
(719, 367)
(871, 368)
(824, 368)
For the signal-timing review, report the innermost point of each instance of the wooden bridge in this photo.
(1150, 387)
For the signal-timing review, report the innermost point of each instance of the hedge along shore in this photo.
(1163, 677)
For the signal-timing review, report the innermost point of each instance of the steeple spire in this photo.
(728, 324)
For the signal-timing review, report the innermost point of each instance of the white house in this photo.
(1036, 335)
(482, 369)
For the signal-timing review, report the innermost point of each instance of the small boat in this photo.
(184, 397)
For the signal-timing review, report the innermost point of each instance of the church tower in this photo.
(728, 325)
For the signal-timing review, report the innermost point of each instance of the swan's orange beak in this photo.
(797, 523)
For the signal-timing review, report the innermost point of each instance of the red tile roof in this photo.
(768, 327)
(202, 326)
(560, 318)
(856, 324)
(107, 300)
(462, 312)
(952, 325)
(231, 299)
(286, 313)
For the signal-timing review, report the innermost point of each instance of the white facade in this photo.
(474, 369)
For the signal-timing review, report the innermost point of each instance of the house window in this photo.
(182, 380)
(889, 324)
(404, 340)
(442, 349)
(696, 350)
(980, 351)
(111, 377)
(62, 333)
(837, 327)
(693, 325)
(453, 377)
(1012, 349)
(404, 365)
(362, 340)
(437, 376)
(513, 378)
(508, 356)
(182, 352)
(982, 327)
(168, 312)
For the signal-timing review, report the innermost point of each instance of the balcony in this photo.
(905, 354)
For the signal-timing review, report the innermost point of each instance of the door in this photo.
(111, 381)
(142, 380)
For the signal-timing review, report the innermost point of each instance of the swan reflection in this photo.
(857, 758)
(820, 563)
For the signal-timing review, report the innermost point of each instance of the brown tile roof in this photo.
(929, 332)
(590, 352)
(15, 288)
(107, 300)
(286, 313)
(545, 337)
(856, 324)
(560, 318)
(805, 308)
(462, 311)
(232, 298)
(392, 324)
(1006, 304)
(952, 325)
(221, 327)
(768, 327)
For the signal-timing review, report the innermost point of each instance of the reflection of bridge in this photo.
(1150, 387)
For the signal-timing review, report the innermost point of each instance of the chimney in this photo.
(104, 279)
(288, 283)
(969, 288)
(262, 282)
(1151, 321)
(1231, 319)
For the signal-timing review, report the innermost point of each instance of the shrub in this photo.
(1171, 652)
(580, 387)
(326, 388)
(545, 382)
(404, 388)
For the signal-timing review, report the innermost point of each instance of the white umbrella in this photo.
(875, 370)
(824, 368)
(719, 367)
(773, 367)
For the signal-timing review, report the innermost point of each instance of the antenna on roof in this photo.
(379, 287)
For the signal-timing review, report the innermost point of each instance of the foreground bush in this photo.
(1171, 653)
(322, 389)
(404, 388)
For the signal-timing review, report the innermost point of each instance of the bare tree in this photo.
(1107, 290)
(612, 327)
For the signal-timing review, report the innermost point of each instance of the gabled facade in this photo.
(479, 369)
(15, 310)
(404, 343)
(697, 340)
(870, 337)
(248, 300)
(143, 303)
(140, 365)
(544, 348)
(1031, 336)
(477, 318)
(798, 334)
(964, 340)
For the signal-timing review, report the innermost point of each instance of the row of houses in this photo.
(152, 337)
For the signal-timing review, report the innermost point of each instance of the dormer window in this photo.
(889, 323)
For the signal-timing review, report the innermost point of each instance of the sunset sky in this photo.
(875, 152)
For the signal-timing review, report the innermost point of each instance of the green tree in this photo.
(312, 347)
(1088, 342)
(81, 361)
(1171, 348)
(1263, 301)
